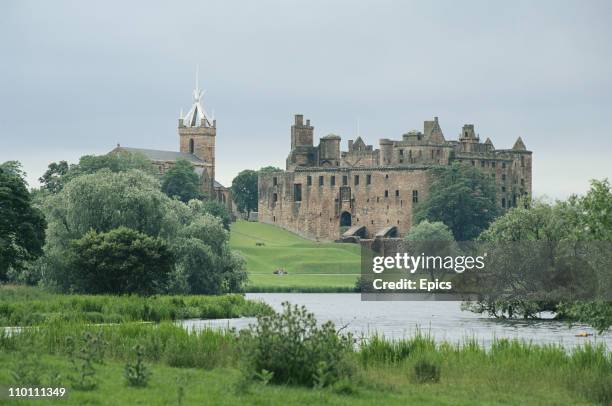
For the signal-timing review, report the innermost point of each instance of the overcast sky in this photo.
(79, 77)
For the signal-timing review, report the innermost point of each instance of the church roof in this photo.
(159, 155)
(519, 145)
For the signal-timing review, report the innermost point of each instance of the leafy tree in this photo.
(244, 191)
(595, 218)
(214, 208)
(429, 231)
(579, 225)
(182, 181)
(592, 215)
(432, 239)
(120, 162)
(52, 178)
(244, 188)
(463, 198)
(106, 200)
(22, 227)
(204, 261)
(119, 261)
(60, 173)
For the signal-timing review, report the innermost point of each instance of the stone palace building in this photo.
(328, 194)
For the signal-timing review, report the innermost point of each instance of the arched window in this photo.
(191, 146)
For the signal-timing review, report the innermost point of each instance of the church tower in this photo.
(197, 131)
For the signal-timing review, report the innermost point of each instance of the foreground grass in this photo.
(23, 306)
(311, 266)
(206, 366)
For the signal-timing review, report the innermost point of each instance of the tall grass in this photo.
(164, 342)
(508, 365)
(25, 306)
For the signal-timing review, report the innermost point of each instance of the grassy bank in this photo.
(23, 306)
(311, 266)
(205, 368)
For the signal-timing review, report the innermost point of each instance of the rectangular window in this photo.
(397, 193)
(473, 163)
(368, 179)
(503, 165)
(522, 161)
(274, 181)
(493, 164)
(482, 164)
(308, 180)
(297, 192)
(415, 196)
(333, 181)
(503, 177)
(401, 152)
(503, 189)
(344, 180)
(356, 180)
(321, 181)
(386, 193)
(503, 202)
(522, 182)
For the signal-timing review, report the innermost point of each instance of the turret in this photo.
(386, 151)
(329, 149)
(301, 134)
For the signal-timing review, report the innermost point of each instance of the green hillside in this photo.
(311, 266)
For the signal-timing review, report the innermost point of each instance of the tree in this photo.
(204, 259)
(432, 239)
(463, 198)
(60, 173)
(22, 227)
(244, 191)
(105, 200)
(119, 261)
(182, 181)
(52, 180)
(568, 243)
(214, 208)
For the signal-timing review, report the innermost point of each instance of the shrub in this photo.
(137, 374)
(295, 350)
(120, 261)
(426, 372)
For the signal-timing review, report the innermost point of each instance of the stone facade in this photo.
(326, 193)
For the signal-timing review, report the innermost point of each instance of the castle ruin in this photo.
(326, 193)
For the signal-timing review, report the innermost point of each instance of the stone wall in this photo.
(313, 203)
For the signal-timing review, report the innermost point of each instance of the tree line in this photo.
(110, 225)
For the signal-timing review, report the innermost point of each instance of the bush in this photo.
(120, 261)
(137, 374)
(295, 350)
(426, 372)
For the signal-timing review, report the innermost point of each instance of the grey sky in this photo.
(78, 77)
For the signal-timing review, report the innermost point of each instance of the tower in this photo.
(197, 132)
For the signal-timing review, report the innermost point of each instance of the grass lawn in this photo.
(389, 385)
(311, 266)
